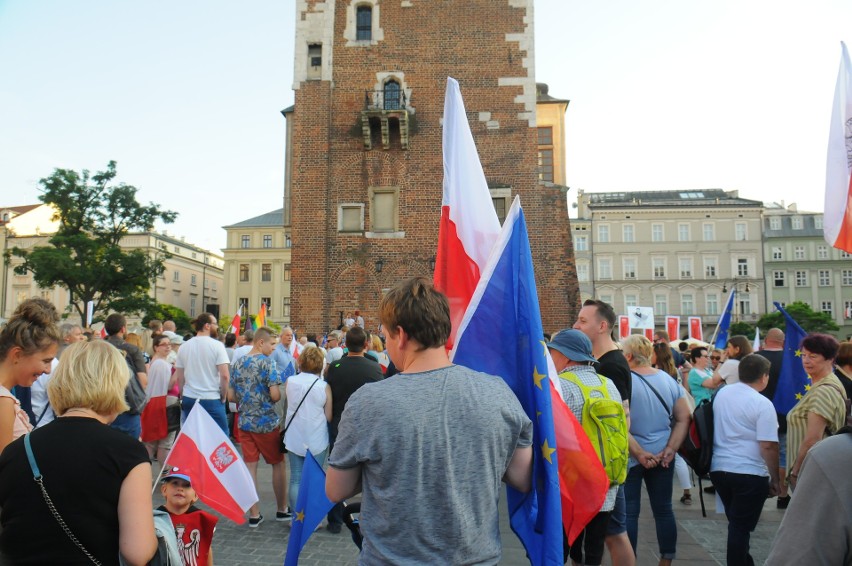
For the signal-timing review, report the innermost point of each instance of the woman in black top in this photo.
(99, 479)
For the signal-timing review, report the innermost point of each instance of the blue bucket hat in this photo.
(572, 344)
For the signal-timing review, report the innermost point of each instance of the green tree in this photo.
(84, 255)
(741, 329)
(162, 312)
(808, 319)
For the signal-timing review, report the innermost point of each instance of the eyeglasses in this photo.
(715, 358)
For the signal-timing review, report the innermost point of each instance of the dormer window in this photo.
(364, 23)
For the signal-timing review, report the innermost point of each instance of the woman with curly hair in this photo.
(28, 344)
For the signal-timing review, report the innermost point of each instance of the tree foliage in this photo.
(162, 312)
(808, 319)
(84, 255)
(741, 329)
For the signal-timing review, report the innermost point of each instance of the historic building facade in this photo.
(364, 162)
(679, 252)
(257, 267)
(192, 280)
(802, 266)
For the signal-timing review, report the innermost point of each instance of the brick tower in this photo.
(364, 165)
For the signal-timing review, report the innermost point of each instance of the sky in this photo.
(186, 97)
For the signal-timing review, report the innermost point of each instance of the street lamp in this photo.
(735, 284)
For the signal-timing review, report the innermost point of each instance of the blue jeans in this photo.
(618, 517)
(130, 425)
(296, 464)
(743, 496)
(214, 407)
(658, 482)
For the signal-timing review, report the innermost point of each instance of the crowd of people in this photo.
(390, 417)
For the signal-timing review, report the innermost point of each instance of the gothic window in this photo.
(392, 95)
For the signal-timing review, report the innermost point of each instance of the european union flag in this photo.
(311, 506)
(725, 321)
(793, 382)
(505, 305)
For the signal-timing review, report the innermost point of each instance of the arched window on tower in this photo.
(364, 23)
(391, 95)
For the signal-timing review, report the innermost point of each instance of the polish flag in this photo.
(235, 322)
(837, 222)
(155, 424)
(469, 224)
(218, 474)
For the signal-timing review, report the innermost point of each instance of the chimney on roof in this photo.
(792, 207)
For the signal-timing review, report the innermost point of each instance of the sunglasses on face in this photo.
(715, 358)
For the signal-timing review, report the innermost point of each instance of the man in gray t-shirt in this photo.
(429, 447)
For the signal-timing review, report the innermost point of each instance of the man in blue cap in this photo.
(580, 385)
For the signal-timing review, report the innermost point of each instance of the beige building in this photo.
(257, 267)
(802, 266)
(679, 252)
(192, 280)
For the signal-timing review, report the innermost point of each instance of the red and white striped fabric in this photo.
(155, 424)
(837, 223)
(235, 322)
(219, 475)
(469, 225)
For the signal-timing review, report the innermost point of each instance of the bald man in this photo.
(773, 350)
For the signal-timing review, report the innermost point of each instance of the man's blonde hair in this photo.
(91, 375)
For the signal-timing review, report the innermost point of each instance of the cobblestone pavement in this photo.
(701, 541)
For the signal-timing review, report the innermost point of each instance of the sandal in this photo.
(686, 499)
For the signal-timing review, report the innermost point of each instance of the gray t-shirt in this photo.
(433, 447)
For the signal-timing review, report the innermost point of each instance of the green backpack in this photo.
(605, 425)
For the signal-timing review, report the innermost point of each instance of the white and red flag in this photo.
(155, 423)
(235, 322)
(469, 224)
(837, 221)
(219, 475)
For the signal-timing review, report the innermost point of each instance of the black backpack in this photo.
(697, 447)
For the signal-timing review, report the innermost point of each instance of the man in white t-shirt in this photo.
(745, 453)
(202, 373)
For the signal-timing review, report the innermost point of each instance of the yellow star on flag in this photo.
(538, 377)
(798, 353)
(807, 387)
(300, 516)
(547, 451)
(799, 395)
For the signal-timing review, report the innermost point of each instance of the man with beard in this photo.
(202, 371)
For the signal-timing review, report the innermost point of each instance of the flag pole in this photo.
(719, 322)
(166, 459)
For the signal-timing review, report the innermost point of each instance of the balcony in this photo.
(385, 117)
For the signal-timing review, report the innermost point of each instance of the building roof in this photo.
(705, 197)
(809, 227)
(541, 94)
(274, 218)
(18, 210)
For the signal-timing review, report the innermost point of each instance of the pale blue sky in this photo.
(679, 94)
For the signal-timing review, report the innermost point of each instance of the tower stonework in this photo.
(365, 165)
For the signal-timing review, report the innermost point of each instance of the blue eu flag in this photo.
(793, 382)
(506, 304)
(311, 506)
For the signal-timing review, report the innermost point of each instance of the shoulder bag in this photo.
(660, 397)
(283, 444)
